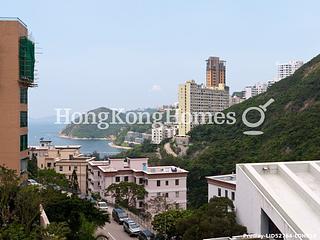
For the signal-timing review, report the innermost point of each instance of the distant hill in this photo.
(93, 131)
(291, 132)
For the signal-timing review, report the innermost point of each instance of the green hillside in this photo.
(93, 131)
(291, 132)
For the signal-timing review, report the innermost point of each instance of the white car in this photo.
(102, 206)
(33, 182)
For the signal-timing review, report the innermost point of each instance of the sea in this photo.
(50, 131)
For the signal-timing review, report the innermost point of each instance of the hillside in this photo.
(291, 131)
(93, 131)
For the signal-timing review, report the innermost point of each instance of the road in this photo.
(113, 230)
(169, 150)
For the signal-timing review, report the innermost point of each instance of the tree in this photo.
(27, 204)
(8, 191)
(126, 193)
(159, 204)
(165, 223)
(74, 185)
(32, 167)
(81, 215)
(215, 219)
(51, 177)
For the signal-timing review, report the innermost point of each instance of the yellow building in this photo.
(194, 99)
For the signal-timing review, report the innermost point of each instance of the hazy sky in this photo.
(135, 53)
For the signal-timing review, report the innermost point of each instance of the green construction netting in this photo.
(26, 59)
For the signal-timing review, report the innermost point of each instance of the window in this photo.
(140, 180)
(219, 192)
(146, 181)
(99, 174)
(167, 183)
(158, 183)
(61, 168)
(23, 164)
(158, 194)
(233, 196)
(69, 168)
(23, 142)
(166, 194)
(23, 119)
(140, 204)
(75, 168)
(23, 95)
(177, 182)
(126, 178)
(49, 164)
(117, 179)
(226, 193)
(177, 194)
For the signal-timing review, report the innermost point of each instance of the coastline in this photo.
(111, 144)
(77, 138)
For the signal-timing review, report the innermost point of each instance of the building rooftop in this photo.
(13, 19)
(293, 188)
(165, 169)
(230, 178)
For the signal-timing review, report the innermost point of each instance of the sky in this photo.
(134, 54)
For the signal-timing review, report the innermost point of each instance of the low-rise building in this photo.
(167, 181)
(63, 159)
(222, 186)
(280, 198)
(46, 153)
(79, 165)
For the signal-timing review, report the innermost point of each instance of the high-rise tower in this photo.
(16, 76)
(216, 73)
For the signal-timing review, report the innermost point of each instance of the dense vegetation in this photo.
(69, 216)
(215, 219)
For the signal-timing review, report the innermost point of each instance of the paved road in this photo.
(169, 150)
(114, 231)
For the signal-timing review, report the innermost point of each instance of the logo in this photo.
(261, 110)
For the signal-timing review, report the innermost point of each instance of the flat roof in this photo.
(229, 178)
(293, 188)
(13, 19)
(164, 170)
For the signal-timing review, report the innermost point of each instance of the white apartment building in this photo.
(160, 132)
(287, 69)
(280, 198)
(167, 181)
(194, 98)
(222, 186)
(252, 91)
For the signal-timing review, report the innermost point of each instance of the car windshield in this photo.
(102, 204)
(123, 215)
(134, 225)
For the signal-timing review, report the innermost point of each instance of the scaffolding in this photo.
(26, 62)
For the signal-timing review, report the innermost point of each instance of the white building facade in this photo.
(287, 69)
(222, 186)
(280, 198)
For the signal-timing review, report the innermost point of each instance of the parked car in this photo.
(33, 182)
(119, 215)
(146, 235)
(132, 228)
(102, 206)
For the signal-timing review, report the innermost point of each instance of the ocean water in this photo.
(51, 131)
